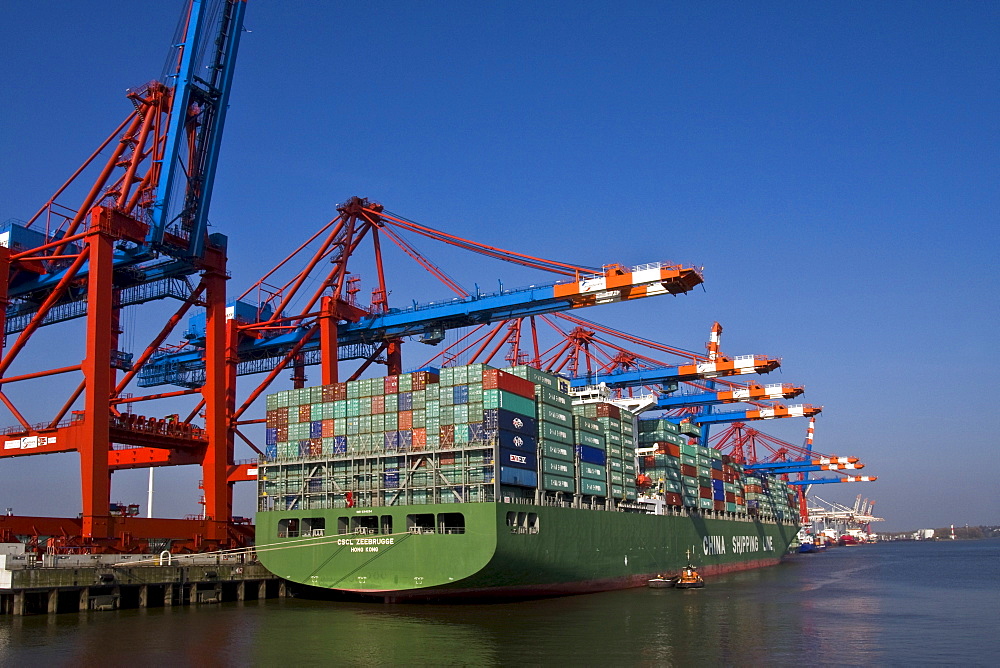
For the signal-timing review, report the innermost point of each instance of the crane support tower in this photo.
(139, 234)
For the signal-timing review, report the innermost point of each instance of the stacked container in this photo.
(471, 433)
(695, 476)
(558, 465)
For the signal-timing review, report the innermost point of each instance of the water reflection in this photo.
(860, 606)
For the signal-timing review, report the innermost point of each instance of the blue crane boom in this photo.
(752, 393)
(746, 364)
(427, 321)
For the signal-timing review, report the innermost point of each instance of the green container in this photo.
(615, 464)
(617, 491)
(553, 432)
(672, 486)
(556, 416)
(538, 377)
(706, 504)
(593, 471)
(558, 467)
(689, 460)
(593, 487)
(658, 425)
(557, 451)
(593, 440)
(558, 483)
(616, 478)
(585, 424)
(510, 402)
(551, 397)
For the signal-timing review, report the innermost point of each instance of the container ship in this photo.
(484, 483)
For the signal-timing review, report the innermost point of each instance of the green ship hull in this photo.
(495, 550)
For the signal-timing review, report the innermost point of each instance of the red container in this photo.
(328, 428)
(673, 499)
(717, 474)
(446, 459)
(378, 405)
(340, 392)
(730, 497)
(494, 379)
(689, 471)
(406, 420)
(447, 436)
(609, 410)
(705, 492)
(664, 448)
(419, 439)
(315, 446)
(329, 393)
(422, 378)
(282, 434)
(649, 461)
(391, 384)
(305, 413)
(720, 505)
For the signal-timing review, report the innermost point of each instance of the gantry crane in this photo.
(139, 235)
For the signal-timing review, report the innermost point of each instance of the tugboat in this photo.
(689, 577)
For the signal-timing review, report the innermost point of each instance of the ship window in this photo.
(451, 523)
(511, 519)
(342, 524)
(420, 523)
(288, 528)
(364, 524)
(387, 524)
(313, 526)
(532, 522)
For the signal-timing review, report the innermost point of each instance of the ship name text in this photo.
(716, 545)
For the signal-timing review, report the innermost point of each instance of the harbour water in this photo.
(887, 604)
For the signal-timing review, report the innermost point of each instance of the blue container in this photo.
(340, 444)
(499, 418)
(405, 439)
(510, 475)
(477, 432)
(524, 459)
(511, 440)
(592, 455)
(717, 464)
(718, 486)
(460, 394)
(303, 448)
(391, 478)
(315, 484)
(271, 452)
(316, 429)
(391, 440)
(405, 401)
(718, 496)
(270, 436)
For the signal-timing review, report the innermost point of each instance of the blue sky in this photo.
(833, 168)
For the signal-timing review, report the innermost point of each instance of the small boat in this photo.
(689, 578)
(662, 582)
